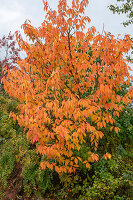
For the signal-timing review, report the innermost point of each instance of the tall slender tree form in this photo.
(68, 86)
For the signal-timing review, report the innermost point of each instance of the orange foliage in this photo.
(68, 76)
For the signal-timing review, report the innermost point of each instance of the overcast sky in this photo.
(13, 13)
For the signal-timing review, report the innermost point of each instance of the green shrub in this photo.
(15, 149)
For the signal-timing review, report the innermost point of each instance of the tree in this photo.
(125, 7)
(9, 53)
(68, 86)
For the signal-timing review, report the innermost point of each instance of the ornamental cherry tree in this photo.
(68, 85)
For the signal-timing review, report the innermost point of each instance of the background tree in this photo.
(9, 53)
(124, 6)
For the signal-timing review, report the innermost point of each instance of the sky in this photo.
(13, 14)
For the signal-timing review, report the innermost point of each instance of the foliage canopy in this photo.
(68, 86)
